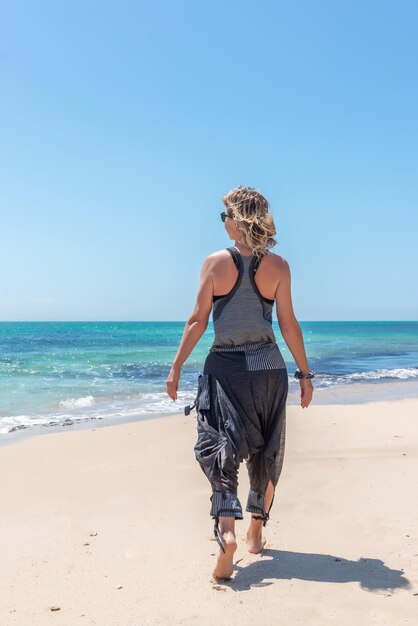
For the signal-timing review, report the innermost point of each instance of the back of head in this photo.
(250, 211)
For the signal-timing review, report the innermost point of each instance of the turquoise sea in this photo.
(62, 373)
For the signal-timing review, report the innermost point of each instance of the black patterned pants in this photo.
(241, 415)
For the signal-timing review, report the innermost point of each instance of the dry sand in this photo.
(112, 526)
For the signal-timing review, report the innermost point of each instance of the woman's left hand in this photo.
(173, 382)
(306, 392)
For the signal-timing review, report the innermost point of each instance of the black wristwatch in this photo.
(299, 374)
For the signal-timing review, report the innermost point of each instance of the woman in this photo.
(242, 393)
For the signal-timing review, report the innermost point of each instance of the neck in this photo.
(243, 249)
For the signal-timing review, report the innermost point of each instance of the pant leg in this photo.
(218, 453)
(269, 390)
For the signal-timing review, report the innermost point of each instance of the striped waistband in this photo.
(243, 347)
(253, 356)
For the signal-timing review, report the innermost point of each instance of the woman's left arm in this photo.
(195, 326)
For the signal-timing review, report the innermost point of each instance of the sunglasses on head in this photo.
(225, 215)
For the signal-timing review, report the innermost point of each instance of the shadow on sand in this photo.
(372, 574)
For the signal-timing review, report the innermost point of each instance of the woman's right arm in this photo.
(194, 327)
(291, 330)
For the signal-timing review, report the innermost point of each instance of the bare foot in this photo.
(224, 566)
(255, 539)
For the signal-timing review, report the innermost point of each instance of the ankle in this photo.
(227, 531)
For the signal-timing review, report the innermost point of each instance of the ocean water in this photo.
(60, 373)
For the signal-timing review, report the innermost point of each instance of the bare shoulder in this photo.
(219, 254)
(277, 262)
(215, 257)
(212, 264)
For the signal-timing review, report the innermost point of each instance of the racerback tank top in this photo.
(243, 315)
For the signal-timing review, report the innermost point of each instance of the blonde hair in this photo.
(251, 212)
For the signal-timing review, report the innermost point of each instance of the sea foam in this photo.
(77, 403)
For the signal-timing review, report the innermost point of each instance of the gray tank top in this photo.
(242, 315)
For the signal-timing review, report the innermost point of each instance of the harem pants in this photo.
(241, 415)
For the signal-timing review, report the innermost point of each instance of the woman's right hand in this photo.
(306, 392)
(172, 382)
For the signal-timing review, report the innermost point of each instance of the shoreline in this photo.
(356, 394)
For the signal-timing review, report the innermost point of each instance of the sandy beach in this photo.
(111, 526)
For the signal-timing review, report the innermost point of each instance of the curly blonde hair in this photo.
(250, 209)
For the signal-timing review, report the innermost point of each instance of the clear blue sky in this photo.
(123, 124)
